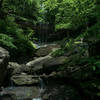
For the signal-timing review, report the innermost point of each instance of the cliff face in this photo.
(4, 57)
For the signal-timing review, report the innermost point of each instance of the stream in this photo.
(45, 89)
(52, 90)
(24, 92)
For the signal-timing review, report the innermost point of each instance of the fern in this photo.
(7, 41)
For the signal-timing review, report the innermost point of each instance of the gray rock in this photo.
(24, 79)
(54, 63)
(22, 92)
(45, 50)
(4, 57)
(37, 64)
(13, 68)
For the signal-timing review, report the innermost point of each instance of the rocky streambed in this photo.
(37, 79)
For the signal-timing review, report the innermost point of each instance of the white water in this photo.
(24, 92)
(41, 90)
(37, 99)
(42, 85)
(40, 45)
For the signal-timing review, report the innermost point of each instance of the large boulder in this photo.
(37, 64)
(54, 63)
(4, 57)
(46, 49)
(15, 68)
(24, 80)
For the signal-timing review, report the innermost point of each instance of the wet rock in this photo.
(7, 96)
(4, 58)
(45, 50)
(24, 79)
(37, 64)
(54, 63)
(13, 68)
(21, 92)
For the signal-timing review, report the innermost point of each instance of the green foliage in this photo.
(92, 62)
(14, 37)
(6, 40)
(92, 85)
(23, 8)
(50, 10)
(67, 14)
(24, 43)
(69, 44)
(80, 19)
(75, 12)
(57, 53)
(93, 33)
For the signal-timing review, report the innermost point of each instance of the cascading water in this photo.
(41, 89)
(37, 99)
(11, 84)
(24, 92)
(42, 85)
(43, 33)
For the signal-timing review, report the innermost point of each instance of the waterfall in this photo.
(2, 91)
(43, 30)
(41, 89)
(11, 84)
(25, 92)
(42, 85)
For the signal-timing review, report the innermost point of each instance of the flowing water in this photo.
(24, 92)
(37, 99)
(42, 85)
